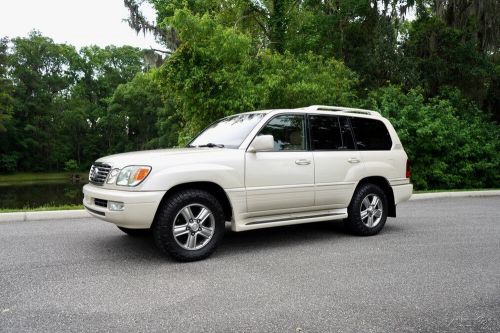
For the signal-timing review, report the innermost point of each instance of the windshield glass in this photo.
(228, 132)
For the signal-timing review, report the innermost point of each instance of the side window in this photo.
(371, 134)
(288, 132)
(330, 133)
(325, 132)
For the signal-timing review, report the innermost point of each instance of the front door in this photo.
(282, 179)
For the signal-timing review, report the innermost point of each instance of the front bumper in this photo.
(138, 211)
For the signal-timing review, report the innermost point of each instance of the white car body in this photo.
(262, 189)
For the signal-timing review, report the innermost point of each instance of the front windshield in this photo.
(228, 132)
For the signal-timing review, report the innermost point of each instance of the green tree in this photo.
(40, 70)
(6, 101)
(216, 72)
(140, 110)
(450, 141)
(436, 55)
(100, 72)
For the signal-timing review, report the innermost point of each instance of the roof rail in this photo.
(342, 109)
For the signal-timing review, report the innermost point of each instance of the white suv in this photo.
(256, 170)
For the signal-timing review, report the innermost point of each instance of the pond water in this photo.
(37, 194)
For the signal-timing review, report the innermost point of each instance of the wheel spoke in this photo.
(203, 215)
(207, 232)
(375, 201)
(370, 221)
(378, 213)
(180, 230)
(364, 214)
(187, 213)
(197, 221)
(191, 241)
(366, 202)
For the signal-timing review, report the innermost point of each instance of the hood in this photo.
(156, 157)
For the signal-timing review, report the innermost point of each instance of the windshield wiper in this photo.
(212, 145)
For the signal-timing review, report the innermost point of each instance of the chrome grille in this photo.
(98, 173)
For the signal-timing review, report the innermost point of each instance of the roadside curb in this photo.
(78, 214)
(460, 194)
(43, 215)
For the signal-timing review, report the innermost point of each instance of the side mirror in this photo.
(262, 143)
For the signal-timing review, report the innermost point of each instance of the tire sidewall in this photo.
(354, 222)
(163, 227)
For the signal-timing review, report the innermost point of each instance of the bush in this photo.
(8, 163)
(450, 142)
(71, 166)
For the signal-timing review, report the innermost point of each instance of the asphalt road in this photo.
(434, 268)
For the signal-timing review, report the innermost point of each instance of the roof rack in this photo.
(342, 109)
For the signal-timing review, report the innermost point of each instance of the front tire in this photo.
(189, 225)
(367, 212)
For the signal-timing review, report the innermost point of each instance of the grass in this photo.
(40, 209)
(27, 177)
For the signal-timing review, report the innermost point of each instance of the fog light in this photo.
(115, 205)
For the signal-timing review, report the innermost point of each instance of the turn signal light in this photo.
(141, 173)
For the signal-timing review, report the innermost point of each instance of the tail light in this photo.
(408, 168)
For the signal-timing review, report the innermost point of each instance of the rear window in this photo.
(370, 134)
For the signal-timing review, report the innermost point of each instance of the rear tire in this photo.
(135, 232)
(189, 225)
(367, 212)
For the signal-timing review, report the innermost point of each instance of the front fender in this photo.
(226, 176)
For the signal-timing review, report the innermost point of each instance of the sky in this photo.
(76, 22)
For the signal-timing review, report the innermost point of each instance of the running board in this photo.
(288, 219)
(295, 218)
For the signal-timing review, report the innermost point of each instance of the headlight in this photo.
(133, 175)
(112, 176)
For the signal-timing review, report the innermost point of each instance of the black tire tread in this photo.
(164, 219)
(353, 223)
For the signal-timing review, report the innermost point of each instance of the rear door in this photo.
(374, 144)
(282, 179)
(337, 164)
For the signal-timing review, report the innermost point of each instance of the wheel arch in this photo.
(216, 190)
(383, 183)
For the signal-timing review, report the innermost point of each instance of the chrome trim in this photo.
(98, 173)
(294, 218)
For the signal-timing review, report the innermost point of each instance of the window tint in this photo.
(325, 133)
(330, 133)
(288, 132)
(371, 134)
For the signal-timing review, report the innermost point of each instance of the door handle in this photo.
(353, 160)
(302, 162)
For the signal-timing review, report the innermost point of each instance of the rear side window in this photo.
(371, 134)
(330, 133)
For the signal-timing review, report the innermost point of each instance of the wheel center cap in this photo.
(194, 226)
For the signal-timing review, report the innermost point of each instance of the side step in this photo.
(289, 219)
